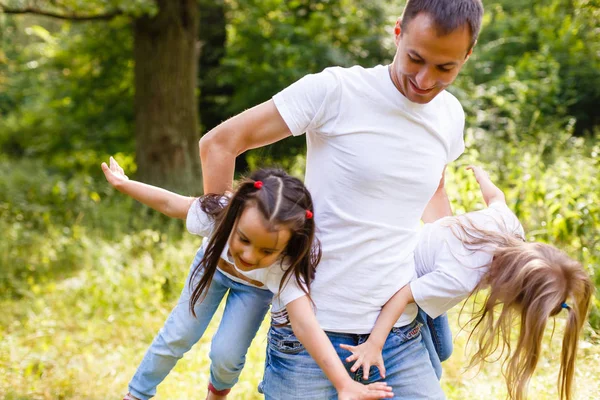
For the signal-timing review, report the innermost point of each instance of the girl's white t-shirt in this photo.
(447, 270)
(199, 223)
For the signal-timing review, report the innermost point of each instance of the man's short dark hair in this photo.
(448, 15)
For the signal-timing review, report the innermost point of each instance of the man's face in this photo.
(425, 63)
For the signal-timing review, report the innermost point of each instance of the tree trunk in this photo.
(213, 36)
(166, 120)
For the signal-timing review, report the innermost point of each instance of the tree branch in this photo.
(71, 16)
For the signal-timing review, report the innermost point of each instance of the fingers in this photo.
(108, 174)
(366, 370)
(356, 365)
(380, 390)
(476, 169)
(379, 386)
(381, 368)
(115, 167)
(352, 357)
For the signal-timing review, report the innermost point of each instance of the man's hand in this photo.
(365, 355)
(114, 174)
(358, 391)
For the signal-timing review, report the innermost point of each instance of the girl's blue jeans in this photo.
(437, 338)
(244, 312)
(290, 372)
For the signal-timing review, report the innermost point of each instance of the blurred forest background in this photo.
(88, 276)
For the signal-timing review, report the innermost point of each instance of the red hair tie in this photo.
(309, 214)
(258, 184)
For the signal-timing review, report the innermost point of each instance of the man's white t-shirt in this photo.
(199, 223)
(448, 271)
(374, 161)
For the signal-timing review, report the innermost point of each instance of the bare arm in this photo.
(256, 127)
(369, 353)
(439, 205)
(490, 192)
(307, 330)
(169, 203)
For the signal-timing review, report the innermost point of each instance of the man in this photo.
(379, 140)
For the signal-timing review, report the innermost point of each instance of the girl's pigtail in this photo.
(567, 358)
(582, 289)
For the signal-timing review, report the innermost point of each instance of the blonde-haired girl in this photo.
(526, 281)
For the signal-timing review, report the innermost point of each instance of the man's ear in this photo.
(398, 30)
(470, 51)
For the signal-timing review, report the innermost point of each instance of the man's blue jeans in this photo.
(245, 310)
(290, 372)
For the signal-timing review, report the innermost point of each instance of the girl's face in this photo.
(252, 244)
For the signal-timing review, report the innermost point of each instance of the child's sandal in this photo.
(129, 396)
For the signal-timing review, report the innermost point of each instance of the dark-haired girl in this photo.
(259, 246)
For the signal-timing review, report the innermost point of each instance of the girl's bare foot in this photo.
(129, 396)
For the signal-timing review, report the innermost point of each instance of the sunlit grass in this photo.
(82, 337)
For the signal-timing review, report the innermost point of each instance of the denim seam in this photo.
(434, 334)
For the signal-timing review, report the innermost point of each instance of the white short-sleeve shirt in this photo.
(447, 270)
(374, 161)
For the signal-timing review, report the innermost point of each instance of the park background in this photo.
(88, 276)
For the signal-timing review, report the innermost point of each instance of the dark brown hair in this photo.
(528, 282)
(283, 201)
(448, 15)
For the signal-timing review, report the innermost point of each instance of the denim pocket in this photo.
(283, 340)
(407, 333)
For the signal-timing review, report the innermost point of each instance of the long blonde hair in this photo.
(528, 282)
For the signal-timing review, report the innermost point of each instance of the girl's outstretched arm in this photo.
(169, 203)
(490, 192)
(369, 353)
(313, 338)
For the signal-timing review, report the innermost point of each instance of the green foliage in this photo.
(273, 43)
(553, 40)
(50, 222)
(87, 7)
(72, 92)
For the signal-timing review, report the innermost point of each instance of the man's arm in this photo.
(256, 127)
(439, 205)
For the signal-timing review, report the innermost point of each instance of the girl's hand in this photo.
(479, 172)
(114, 174)
(358, 391)
(365, 355)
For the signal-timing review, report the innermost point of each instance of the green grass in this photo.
(82, 335)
